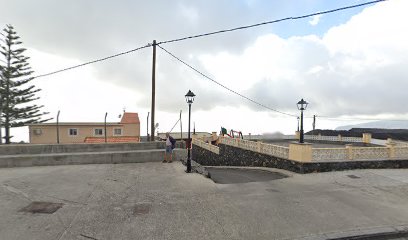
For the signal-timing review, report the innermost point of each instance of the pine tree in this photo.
(16, 91)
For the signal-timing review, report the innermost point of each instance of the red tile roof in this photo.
(129, 117)
(111, 139)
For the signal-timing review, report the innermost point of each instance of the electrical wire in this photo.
(223, 86)
(271, 22)
(94, 61)
(174, 125)
(212, 33)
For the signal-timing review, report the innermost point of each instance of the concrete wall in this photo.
(232, 156)
(66, 154)
(72, 148)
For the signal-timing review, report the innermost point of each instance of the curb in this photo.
(197, 168)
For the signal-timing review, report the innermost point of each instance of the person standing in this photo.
(170, 145)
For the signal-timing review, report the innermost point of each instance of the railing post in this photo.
(259, 147)
(349, 148)
(297, 134)
(366, 137)
(301, 152)
(340, 138)
(391, 150)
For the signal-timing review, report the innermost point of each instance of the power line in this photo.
(174, 125)
(212, 33)
(271, 22)
(94, 61)
(223, 86)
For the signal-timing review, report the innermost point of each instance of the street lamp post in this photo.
(189, 99)
(147, 123)
(302, 105)
(298, 124)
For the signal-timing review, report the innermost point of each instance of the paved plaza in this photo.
(160, 201)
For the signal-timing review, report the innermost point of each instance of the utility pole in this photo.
(181, 128)
(58, 138)
(314, 123)
(147, 125)
(153, 89)
(106, 138)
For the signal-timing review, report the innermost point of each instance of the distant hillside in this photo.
(378, 125)
(378, 133)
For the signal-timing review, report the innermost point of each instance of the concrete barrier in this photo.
(68, 154)
(70, 148)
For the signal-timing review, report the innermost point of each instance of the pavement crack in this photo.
(16, 192)
(63, 232)
(89, 237)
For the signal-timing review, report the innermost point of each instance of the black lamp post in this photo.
(189, 99)
(298, 124)
(301, 105)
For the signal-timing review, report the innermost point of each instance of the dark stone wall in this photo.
(232, 156)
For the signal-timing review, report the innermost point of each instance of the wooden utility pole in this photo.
(106, 136)
(153, 90)
(314, 122)
(181, 128)
(58, 138)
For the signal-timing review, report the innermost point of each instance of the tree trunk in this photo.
(7, 103)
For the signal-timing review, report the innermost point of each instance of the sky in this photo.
(349, 65)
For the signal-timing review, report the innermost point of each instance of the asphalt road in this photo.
(161, 201)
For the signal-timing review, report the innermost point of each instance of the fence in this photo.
(268, 149)
(207, 146)
(310, 154)
(360, 153)
(333, 138)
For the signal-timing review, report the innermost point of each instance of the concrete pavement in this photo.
(159, 201)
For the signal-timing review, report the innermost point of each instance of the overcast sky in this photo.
(348, 64)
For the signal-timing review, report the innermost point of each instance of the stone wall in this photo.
(232, 156)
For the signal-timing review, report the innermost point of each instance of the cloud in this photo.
(355, 68)
(315, 20)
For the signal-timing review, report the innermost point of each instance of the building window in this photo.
(117, 131)
(98, 131)
(73, 132)
(37, 131)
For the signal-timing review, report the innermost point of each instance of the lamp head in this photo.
(190, 97)
(302, 105)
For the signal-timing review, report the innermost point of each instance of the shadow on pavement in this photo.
(240, 175)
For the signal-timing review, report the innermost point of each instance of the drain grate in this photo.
(141, 209)
(353, 176)
(42, 207)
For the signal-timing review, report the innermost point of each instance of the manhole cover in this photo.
(141, 209)
(42, 207)
(353, 176)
